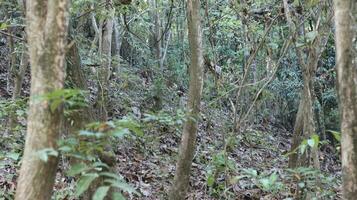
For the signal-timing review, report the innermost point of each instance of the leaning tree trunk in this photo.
(187, 149)
(345, 22)
(46, 31)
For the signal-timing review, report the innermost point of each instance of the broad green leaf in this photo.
(132, 126)
(122, 185)
(100, 193)
(55, 104)
(84, 183)
(13, 155)
(65, 149)
(45, 153)
(316, 139)
(77, 169)
(112, 175)
(336, 135)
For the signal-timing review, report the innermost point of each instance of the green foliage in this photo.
(313, 182)
(268, 183)
(70, 98)
(43, 154)
(9, 107)
(88, 146)
(220, 165)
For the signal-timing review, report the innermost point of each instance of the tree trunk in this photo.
(105, 48)
(46, 30)
(305, 125)
(187, 149)
(345, 19)
(19, 75)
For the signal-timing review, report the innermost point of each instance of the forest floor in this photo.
(247, 165)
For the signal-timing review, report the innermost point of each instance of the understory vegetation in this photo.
(268, 120)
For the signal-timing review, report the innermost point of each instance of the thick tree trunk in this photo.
(187, 149)
(46, 31)
(345, 22)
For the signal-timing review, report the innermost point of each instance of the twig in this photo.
(11, 35)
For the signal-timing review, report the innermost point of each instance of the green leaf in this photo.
(336, 135)
(251, 172)
(65, 149)
(265, 183)
(303, 146)
(316, 139)
(132, 126)
(55, 104)
(112, 175)
(273, 177)
(118, 196)
(122, 185)
(296, 3)
(84, 183)
(13, 155)
(210, 180)
(3, 26)
(120, 133)
(90, 134)
(45, 153)
(100, 193)
(77, 169)
(311, 35)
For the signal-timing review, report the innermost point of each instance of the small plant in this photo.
(311, 182)
(221, 166)
(90, 150)
(266, 182)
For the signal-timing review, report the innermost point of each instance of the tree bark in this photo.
(20, 74)
(47, 23)
(105, 49)
(188, 141)
(345, 22)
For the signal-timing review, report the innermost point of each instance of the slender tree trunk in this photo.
(156, 33)
(345, 22)
(305, 125)
(46, 30)
(20, 74)
(298, 130)
(105, 48)
(187, 149)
